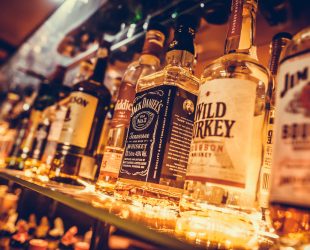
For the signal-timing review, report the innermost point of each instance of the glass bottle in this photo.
(279, 41)
(116, 82)
(158, 141)
(148, 63)
(47, 96)
(79, 138)
(47, 134)
(18, 121)
(226, 149)
(290, 183)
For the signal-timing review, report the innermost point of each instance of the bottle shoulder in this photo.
(239, 66)
(170, 75)
(298, 45)
(92, 88)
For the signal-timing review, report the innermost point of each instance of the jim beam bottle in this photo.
(158, 141)
(46, 97)
(89, 103)
(226, 149)
(290, 184)
(278, 43)
(147, 64)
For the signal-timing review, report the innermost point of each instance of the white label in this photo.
(291, 159)
(79, 119)
(221, 146)
(57, 124)
(112, 160)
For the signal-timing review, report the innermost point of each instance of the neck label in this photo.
(234, 29)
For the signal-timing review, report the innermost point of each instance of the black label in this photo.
(159, 135)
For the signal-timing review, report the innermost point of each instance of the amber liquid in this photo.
(67, 161)
(292, 224)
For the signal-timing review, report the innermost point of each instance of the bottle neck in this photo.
(241, 31)
(181, 50)
(58, 76)
(277, 48)
(101, 66)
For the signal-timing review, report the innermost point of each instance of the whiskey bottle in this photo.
(46, 97)
(158, 141)
(18, 123)
(47, 134)
(116, 82)
(56, 115)
(226, 149)
(89, 103)
(279, 41)
(290, 183)
(147, 63)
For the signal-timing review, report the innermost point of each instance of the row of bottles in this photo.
(171, 139)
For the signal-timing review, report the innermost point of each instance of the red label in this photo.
(236, 18)
(123, 106)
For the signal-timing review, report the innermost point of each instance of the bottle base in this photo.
(148, 193)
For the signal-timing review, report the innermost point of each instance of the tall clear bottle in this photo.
(147, 64)
(158, 141)
(290, 184)
(279, 41)
(226, 150)
(79, 138)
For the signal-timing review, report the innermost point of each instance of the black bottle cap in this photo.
(184, 34)
(157, 26)
(187, 21)
(282, 35)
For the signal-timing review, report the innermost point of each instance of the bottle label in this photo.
(112, 160)
(222, 135)
(264, 179)
(39, 141)
(79, 119)
(234, 29)
(159, 135)
(57, 124)
(123, 105)
(291, 161)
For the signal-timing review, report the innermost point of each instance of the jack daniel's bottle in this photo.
(278, 43)
(147, 64)
(226, 149)
(157, 145)
(89, 103)
(290, 184)
(46, 97)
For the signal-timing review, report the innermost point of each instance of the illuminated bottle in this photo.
(46, 97)
(226, 150)
(278, 43)
(147, 64)
(158, 141)
(79, 138)
(290, 184)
